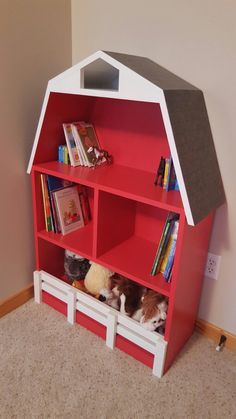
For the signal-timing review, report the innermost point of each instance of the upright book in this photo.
(162, 246)
(85, 137)
(68, 208)
(71, 145)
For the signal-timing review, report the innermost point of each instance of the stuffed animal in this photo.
(154, 310)
(97, 278)
(111, 295)
(130, 297)
(75, 266)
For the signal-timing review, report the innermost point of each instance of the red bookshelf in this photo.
(128, 210)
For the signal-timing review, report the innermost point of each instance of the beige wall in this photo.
(196, 40)
(35, 45)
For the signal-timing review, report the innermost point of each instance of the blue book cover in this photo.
(55, 183)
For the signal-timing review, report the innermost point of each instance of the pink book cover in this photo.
(69, 209)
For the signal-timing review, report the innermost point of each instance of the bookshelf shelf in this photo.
(79, 241)
(124, 260)
(137, 120)
(121, 180)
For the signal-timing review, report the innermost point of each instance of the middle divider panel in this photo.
(128, 233)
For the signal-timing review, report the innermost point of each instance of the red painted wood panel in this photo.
(186, 288)
(100, 330)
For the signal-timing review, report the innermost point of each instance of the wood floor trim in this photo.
(214, 332)
(16, 300)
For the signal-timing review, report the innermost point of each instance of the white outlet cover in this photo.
(212, 266)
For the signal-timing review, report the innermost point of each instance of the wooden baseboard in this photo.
(214, 332)
(16, 300)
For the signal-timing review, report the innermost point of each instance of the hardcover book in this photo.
(85, 137)
(68, 208)
(54, 183)
(71, 145)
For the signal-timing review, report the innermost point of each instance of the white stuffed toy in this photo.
(97, 278)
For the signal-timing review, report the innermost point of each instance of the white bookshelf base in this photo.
(114, 321)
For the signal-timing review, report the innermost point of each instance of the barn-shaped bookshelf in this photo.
(140, 112)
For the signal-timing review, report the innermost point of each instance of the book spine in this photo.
(166, 173)
(44, 201)
(159, 249)
(78, 142)
(65, 155)
(166, 256)
(47, 212)
(74, 159)
(60, 153)
(170, 261)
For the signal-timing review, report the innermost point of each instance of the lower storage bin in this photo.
(116, 328)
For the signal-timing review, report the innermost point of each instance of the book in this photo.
(84, 201)
(160, 172)
(60, 154)
(166, 173)
(71, 145)
(169, 224)
(46, 204)
(68, 208)
(171, 181)
(85, 137)
(172, 237)
(54, 183)
(170, 261)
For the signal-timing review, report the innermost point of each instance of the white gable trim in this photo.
(175, 158)
(39, 127)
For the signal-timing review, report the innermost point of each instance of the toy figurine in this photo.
(100, 156)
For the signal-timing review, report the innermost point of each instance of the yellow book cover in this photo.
(165, 259)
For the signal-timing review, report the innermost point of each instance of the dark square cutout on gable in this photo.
(100, 75)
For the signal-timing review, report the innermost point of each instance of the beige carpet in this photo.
(50, 369)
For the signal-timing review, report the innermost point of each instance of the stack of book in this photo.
(166, 176)
(66, 205)
(80, 139)
(164, 258)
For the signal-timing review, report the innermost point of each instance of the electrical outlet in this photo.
(212, 266)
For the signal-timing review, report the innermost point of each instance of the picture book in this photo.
(71, 145)
(85, 137)
(54, 183)
(69, 210)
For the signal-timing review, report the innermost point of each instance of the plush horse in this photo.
(154, 310)
(100, 156)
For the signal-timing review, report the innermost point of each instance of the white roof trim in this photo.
(175, 158)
